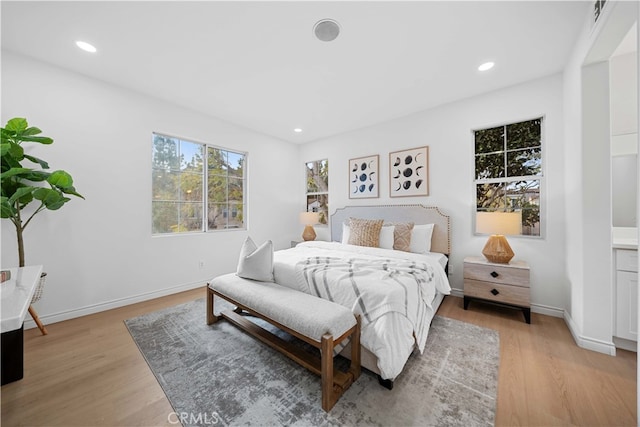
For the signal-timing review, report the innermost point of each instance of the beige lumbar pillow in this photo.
(256, 263)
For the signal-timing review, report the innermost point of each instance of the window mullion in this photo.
(512, 179)
(179, 185)
(504, 153)
(205, 189)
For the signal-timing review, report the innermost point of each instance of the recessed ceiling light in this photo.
(486, 66)
(86, 46)
(297, 130)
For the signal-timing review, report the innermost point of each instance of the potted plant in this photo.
(23, 186)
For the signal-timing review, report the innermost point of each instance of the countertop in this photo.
(16, 294)
(625, 244)
(625, 238)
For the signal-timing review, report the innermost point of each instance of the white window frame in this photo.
(205, 179)
(316, 193)
(541, 177)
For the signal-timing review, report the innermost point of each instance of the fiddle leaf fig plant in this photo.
(22, 185)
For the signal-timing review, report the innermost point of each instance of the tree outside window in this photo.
(180, 202)
(508, 171)
(317, 176)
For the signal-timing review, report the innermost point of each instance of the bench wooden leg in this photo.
(328, 398)
(335, 383)
(355, 366)
(211, 318)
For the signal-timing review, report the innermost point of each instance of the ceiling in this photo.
(258, 64)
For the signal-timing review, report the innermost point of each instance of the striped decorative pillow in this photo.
(365, 232)
(402, 236)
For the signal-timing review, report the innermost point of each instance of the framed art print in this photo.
(409, 172)
(363, 177)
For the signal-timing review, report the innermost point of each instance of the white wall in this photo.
(623, 73)
(99, 252)
(587, 177)
(447, 132)
(638, 198)
(624, 94)
(596, 203)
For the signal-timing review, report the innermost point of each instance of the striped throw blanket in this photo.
(373, 288)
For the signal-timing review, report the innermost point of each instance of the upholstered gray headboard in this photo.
(418, 214)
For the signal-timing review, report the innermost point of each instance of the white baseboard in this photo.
(457, 292)
(547, 310)
(625, 344)
(588, 342)
(121, 302)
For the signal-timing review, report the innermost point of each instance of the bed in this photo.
(375, 280)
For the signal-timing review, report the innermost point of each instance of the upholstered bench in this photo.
(318, 322)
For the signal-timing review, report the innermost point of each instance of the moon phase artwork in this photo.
(409, 172)
(363, 177)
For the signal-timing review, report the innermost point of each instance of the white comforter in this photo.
(394, 327)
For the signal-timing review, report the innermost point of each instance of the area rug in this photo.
(218, 375)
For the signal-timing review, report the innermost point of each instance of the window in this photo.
(185, 191)
(225, 189)
(317, 175)
(508, 171)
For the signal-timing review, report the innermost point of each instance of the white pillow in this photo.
(386, 236)
(421, 238)
(256, 263)
(346, 232)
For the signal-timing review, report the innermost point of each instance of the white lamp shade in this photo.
(309, 218)
(502, 223)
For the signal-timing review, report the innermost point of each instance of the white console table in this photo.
(15, 299)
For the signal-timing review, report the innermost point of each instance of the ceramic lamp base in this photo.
(497, 249)
(309, 233)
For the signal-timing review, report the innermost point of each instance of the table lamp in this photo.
(309, 219)
(498, 224)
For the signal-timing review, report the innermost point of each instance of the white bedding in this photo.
(392, 336)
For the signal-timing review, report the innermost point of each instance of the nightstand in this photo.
(501, 284)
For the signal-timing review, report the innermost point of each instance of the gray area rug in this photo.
(218, 375)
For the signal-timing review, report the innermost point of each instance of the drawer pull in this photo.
(495, 292)
(494, 274)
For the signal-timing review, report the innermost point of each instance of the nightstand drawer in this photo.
(516, 295)
(496, 274)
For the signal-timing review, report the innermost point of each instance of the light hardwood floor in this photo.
(545, 379)
(88, 371)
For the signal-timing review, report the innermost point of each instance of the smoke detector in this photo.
(326, 30)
